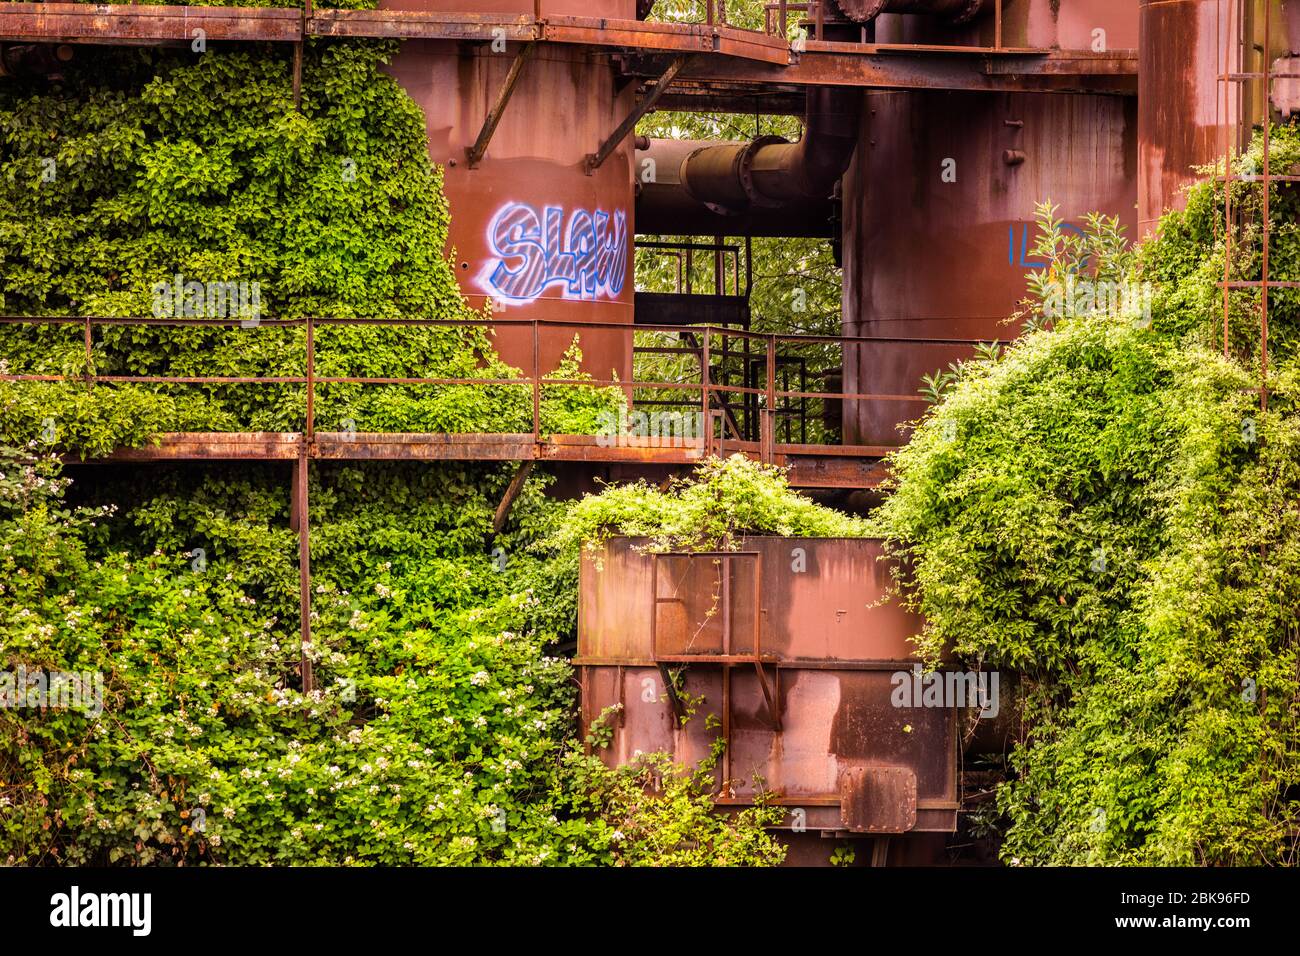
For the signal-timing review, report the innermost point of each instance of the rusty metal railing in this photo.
(751, 377)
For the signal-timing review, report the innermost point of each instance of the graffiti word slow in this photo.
(585, 255)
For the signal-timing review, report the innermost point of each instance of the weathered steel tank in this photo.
(531, 230)
(938, 203)
(1189, 115)
(807, 668)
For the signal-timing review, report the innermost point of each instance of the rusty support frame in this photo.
(1227, 77)
(645, 105)
(474, 154)
(511, 493)
(300, 475)
(297, 75)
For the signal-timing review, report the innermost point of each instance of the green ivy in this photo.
(1103, 509)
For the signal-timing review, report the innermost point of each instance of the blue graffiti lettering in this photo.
(1025, 263)
(531, 253)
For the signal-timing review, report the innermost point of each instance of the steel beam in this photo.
(645, 105)
(475, 153)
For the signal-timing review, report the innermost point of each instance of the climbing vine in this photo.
(1104, 509)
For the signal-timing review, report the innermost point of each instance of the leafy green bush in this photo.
(723, 500)
(442, 729)
(143, 166)
(1104, 509)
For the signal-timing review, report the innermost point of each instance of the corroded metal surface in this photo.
(530, 231)
(789, 645)
(1183, 118)
(939, 227)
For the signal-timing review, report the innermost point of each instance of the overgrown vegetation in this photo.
(442, 727)
(1104, 507)
(441, 731)
(145, 166)
(724, 500)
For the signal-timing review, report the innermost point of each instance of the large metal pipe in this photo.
(725, 183)
(956, 11)
(34, 59)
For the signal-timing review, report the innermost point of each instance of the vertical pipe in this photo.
(719, 273)
(537, 386)
(704, 391)
(297, 75)
(768, 444)
(1268, 123)
(304, 569)
(90, 365)
(1224, 69)
(309, 435)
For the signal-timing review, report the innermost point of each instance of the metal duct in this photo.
(34, 59)
(956, 11)
(724, 183)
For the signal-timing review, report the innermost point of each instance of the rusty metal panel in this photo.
(878, 799)
(615, 591)
(833, 719)
(705, 604)
(522, 218)
(815, 705)
(823, 599)
(1183, 119)
(929, 256)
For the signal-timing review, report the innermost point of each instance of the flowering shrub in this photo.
(441, 731)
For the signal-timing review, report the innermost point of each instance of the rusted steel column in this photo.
(90, 365)
(1187, 116)
(310, 425)
(1267, 187)
(304, 568)
(768, 446)
(537, 386)
(705, 377)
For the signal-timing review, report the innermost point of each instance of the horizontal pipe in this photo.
(955, 11)
(694, 187)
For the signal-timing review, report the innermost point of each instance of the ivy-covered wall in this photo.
(144, 166)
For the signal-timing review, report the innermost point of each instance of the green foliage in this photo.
(441, 729)
(1105, 509)
(725, 499)
(143, 166)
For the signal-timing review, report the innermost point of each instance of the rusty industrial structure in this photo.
(931, 128)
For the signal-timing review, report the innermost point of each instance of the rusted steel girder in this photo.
(810, 466)
(118, 23)
(130, 23)
(922, 69)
